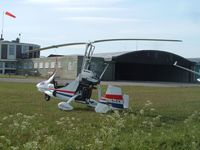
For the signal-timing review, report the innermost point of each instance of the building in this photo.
(141, 65)
(197, 66)
(150, 65)
(68, 67)
(12, 51)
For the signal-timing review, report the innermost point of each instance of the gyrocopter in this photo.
(80, 90)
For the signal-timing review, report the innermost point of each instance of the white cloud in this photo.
(80, 9)
(89, 19)
(74, 2)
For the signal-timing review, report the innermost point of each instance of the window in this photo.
(59, 64)
(4, 48)
(1, 64)
(41, 65)
(53, 64)
(12, 50)
(30, 65)
(46, 64)
(70, 66)
(18, 51)
(25, 66)
(25, 48)
(10, 65)
(35, 65)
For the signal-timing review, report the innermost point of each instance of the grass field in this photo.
(158, 118)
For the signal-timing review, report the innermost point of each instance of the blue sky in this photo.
(49, 22)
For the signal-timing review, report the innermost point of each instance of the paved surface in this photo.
(119, 83)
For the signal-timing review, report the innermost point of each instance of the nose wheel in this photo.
(47, 97)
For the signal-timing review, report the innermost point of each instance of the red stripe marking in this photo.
(64, 91)
(110, 96)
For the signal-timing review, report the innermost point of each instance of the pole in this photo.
(2, 27)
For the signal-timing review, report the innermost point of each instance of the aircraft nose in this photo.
(40, 86)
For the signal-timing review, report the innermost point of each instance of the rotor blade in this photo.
(98, 41)
(57, 46)
(134, 39)
(175, 64)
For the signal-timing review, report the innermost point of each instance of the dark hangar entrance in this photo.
(151, 65)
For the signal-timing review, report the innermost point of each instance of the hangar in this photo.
(149, 65)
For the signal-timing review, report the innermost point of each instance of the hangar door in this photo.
(151, 65)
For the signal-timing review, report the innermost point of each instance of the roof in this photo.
(145, 57)
(197, 60)
(53, 55)
(109, 56)
(17, 43)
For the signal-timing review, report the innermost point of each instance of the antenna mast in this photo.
(1, 39)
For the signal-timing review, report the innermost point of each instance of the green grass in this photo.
(20, 76)
(12, 76)
(158, 118)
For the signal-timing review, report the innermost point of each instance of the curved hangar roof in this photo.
(151, 57)
(149, 65)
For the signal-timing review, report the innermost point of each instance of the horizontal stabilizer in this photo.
(102, 108)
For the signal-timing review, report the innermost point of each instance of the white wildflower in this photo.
(152, 109)
(148, 103)
(2, 137)
(141, 111)
(97, 141)
(4, 118)
(144, 122)
(62, 118)
(31, 145)
(59, 122)
(15, 123)
(14, 148)
(19, 114)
